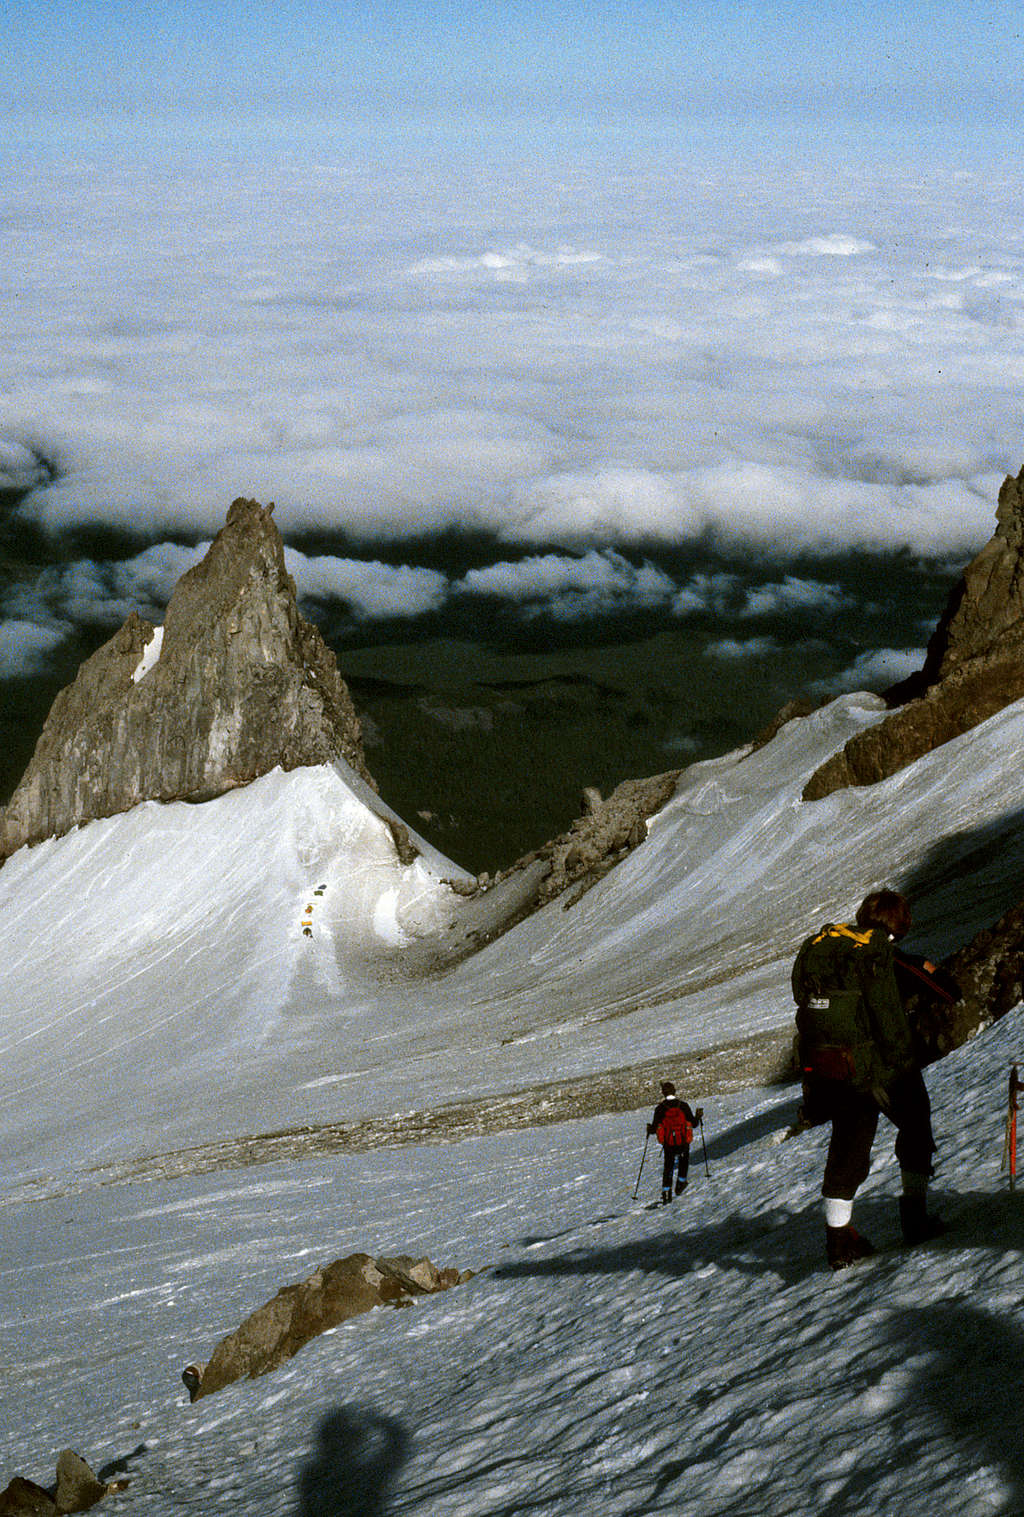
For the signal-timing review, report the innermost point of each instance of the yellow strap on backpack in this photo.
(838, 930)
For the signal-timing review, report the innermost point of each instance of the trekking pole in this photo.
(636, 1190)
(704, 1146)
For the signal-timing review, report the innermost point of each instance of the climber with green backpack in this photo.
(672, 1124)
(858, 1060)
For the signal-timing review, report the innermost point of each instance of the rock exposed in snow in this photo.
(236, 684)
(23, 1498)
(974, 666)
(990, 973)
(77, 1489)
(605, 832)
(300, 1312)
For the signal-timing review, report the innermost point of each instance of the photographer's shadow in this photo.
(358, 1456)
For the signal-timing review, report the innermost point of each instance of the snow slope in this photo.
(606, 1359)
(175, 974)
(158, 963)
(159, 984)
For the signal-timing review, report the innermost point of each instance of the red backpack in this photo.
(675, 1128)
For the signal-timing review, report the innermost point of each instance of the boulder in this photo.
(235, 684)
(973, 668)
(414, 1276)
(300, 1312)
(23, 1498)
(78, 1488)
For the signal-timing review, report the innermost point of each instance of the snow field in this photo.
(156, 963)
(607, 1358)
(159, 991)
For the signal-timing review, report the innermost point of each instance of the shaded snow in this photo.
(605, 1359)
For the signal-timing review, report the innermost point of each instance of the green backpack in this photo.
(849, 1016)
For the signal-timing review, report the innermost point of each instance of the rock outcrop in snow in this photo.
(990, 972)
(974, 666)
(76, 1489)
(601, 837)
(300, 1312)
(235, 684)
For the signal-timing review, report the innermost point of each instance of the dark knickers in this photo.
(854, 1116)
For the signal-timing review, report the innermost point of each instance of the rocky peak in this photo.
(235, 684)
(974, 665)
(985, 615)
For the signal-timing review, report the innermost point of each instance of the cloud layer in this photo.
(36, 615)
(575, 356)
(589, 584)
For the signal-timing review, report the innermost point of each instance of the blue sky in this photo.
(946, 60)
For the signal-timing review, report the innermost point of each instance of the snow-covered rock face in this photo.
(267, 958)
(234, 684)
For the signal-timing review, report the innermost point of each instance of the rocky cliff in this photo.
(235, 684)
(974, 665)
(990, 973)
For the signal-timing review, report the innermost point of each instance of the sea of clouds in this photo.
(581, 355)
(560, 352)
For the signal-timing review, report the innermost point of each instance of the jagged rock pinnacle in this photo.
(236, 684)
(974, 666)
(984, 617)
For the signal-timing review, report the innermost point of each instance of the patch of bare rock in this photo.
(76, 1489)
(298, 1313)
(235, 684)
(974, 665)
(990, 973)
(605, 832)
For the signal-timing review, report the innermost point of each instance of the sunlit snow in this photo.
(188, 972)
(151, 655)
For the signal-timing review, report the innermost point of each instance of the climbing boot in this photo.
(918, 1226)
(844, 1246)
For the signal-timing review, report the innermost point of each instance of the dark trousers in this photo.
(854, 1116)
(674, 1157)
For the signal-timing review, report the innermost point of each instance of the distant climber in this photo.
(673, 1123)
(858, 1059)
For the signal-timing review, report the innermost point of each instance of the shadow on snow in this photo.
(358, 1455)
